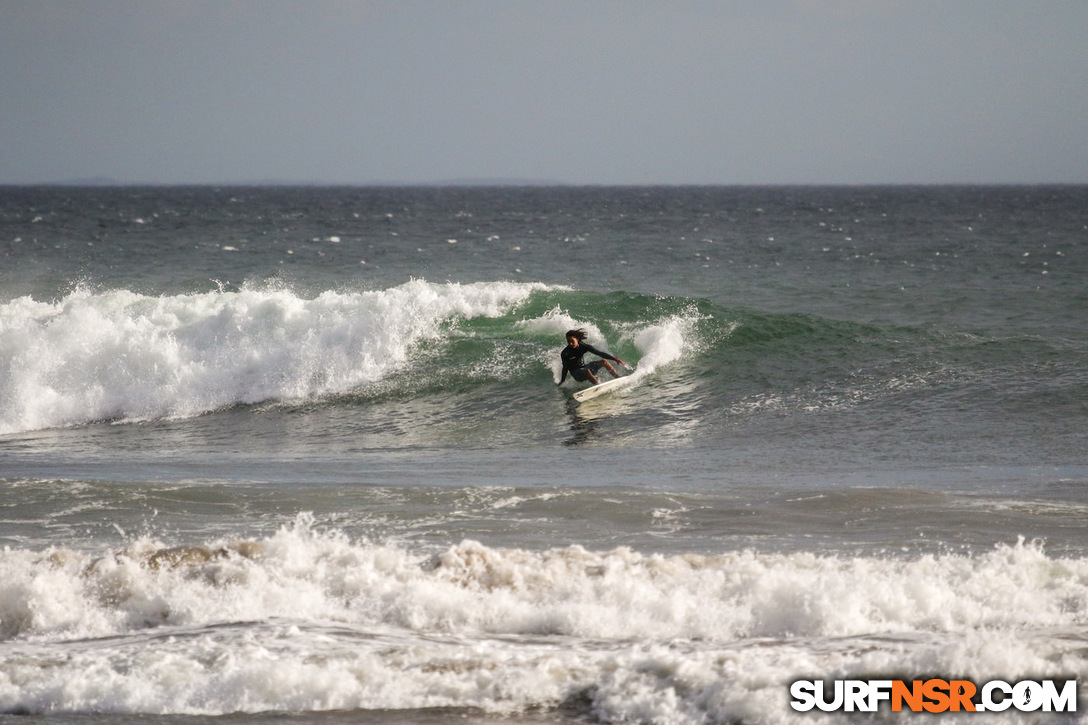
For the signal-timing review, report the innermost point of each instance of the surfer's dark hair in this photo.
(578, 334)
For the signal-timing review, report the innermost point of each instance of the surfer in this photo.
(572, 356)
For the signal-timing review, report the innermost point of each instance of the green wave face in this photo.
(441, 366)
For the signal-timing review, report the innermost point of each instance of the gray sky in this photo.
(581, 92)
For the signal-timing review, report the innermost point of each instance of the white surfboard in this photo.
(601, 388)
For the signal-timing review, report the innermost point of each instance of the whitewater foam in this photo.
(119, 355)
(333, 623)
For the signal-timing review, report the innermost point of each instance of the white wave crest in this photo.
(122, 355)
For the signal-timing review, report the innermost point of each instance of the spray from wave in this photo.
(657, 343)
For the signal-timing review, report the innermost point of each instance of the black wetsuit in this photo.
(572, 359)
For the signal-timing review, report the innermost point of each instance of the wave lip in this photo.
(121, 355)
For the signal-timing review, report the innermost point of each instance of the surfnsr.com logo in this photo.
(934, 695)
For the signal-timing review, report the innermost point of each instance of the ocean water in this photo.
(299, 455)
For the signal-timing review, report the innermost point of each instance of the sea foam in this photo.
(332, 623)
(119, 355)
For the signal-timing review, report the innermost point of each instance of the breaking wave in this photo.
(337, 624)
